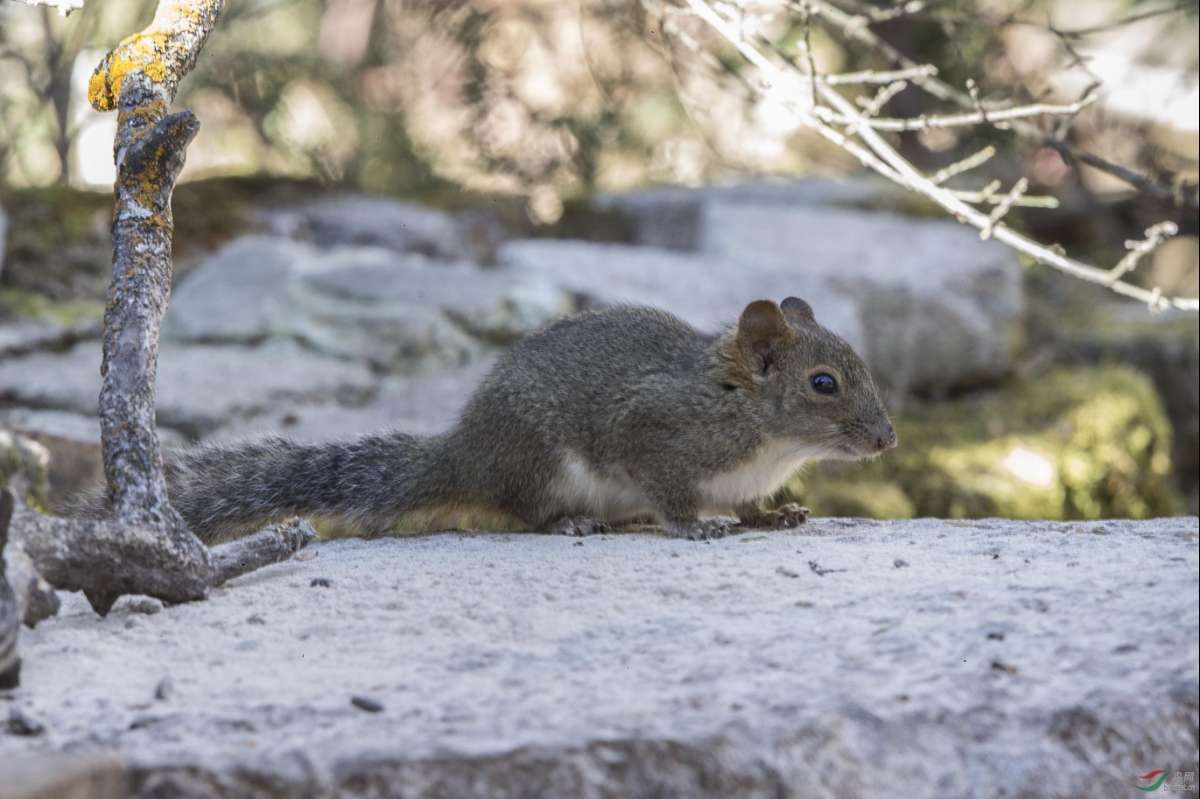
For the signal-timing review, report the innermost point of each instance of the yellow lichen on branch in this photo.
(164, 52)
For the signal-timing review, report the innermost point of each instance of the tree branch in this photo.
(877, 154)
(145, 548)
(855, 28)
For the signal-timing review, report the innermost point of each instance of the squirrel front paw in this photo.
(580, 526)
(782, 518)
(702, 530)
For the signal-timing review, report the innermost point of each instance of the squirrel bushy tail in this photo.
(370, 483)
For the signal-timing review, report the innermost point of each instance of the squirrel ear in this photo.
(797, 310)
(760, 328)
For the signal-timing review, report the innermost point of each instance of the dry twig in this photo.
(855, 27)
(145, 548)
(873, 151)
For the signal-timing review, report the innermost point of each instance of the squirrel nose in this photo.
(886, 439)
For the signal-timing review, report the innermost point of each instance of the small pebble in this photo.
(164, 690)
(21, 723)
(145, 605)
(255, 618)
(900, 563)
(320, 582)
(367, 703)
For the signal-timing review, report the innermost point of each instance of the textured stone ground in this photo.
(850, 659)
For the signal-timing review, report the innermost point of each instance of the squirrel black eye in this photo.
(823, 383)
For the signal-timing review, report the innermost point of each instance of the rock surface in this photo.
(676, 216)
(29, 322)
(846, 659)
(199, 387)
(73, 443)
(397, 312)
(356, 219)
(23, 461)
(708, 292)
(930, 308)
(939, 308)
(422, 404)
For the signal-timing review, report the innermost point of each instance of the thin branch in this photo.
(270, 545)
(882, 157)
(1003, 207)
(982, 116)
(1105, 27)
(1155, 236)
(878, 76)
(958, 167)
(875, 104)
(856, 28)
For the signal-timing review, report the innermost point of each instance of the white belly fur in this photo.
(761, 475)
(583, 490)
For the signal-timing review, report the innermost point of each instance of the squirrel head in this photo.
(814, 386)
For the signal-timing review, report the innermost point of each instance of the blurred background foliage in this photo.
(546, 103)
(554, 100)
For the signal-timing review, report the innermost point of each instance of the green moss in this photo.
(871, 498)
(1070, 444)
(31, 305)
(28, 462)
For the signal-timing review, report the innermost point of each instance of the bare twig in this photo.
(146, 548)
(856, 28)
(1155, 235)
(978, 117)
(270, 545)
(1003, 207)
(875, 104)
(878, 76)
(958, 167)
(877, 154)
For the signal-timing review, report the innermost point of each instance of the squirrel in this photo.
(606, 417)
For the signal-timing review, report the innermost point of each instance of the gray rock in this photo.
(675, 216)
(929, 306)
(371, 221)
(73, 443)
(707, 292)
(199, 387)
(633, 665)
(396, 312)
(44, 329)
(23, 463)
(940, 308)
(238, 294)
(18, 336)
(423, 404)
(95, 775)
